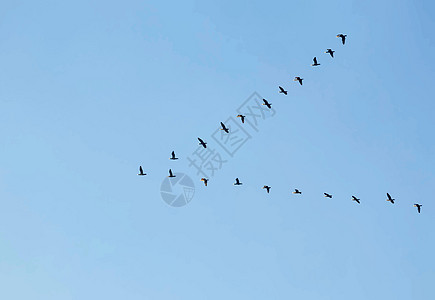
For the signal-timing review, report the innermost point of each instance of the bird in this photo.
(242, 117)
(297, 78)
(327, 195)
(355, 199)
(330, 52)
(343, 37)
(238, 182)
(269, 105)
(390, 199)
(267, 188)
(418, 206)
(202, 143)
(170, 174)
(224, 128)
(141, 173)
(315, 62)
(205, 181)
(173, 156)
(297, 192)
(282, 91)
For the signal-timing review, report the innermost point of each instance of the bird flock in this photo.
(269, 106)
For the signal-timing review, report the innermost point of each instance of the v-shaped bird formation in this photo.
(269, 106)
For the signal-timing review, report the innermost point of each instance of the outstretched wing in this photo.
(170, 172)
(315, 60)
(140, 170)
(389, 197)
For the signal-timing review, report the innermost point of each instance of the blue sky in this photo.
(90, 90)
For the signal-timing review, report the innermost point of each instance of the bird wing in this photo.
(315, 60)
(237, 180)
(170, 172)
(223, 126)
(282, 90)
(201, 141)
(173, 154)
(389, 197)
(140, 169)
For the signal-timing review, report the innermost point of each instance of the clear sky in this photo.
(90, 90)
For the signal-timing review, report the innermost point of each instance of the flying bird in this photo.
(269, 105)
(170, 174)
(173, 156)
(224, 128)
(390, 199)
(238, 182)
(355, 199)
(205, 181)
(141, 173)
(267, 188)
(315, 64)
(242, 117)
(297, 192)
(202, 143)
(330, 52)
(282, 91)
(418, 206)
(297, 78)
(327, 195)
(343, 37)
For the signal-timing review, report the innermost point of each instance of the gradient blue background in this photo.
(90, 90)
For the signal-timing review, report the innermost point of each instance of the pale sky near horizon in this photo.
(90, 90)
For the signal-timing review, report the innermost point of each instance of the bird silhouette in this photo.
(343, 37)
(173, 156)
(224, 128)
(205, 180)
(282, 91)
(202, 143)
(418, 207)
(315, 64)
(297, 191)
(269, 105)
(355, 199)
(141, 173)
(238, 182)
(390, 199)
(170, 174)
(242, 117)
(327, 195)
(297, 78)
(267, 188)
(331, 52)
